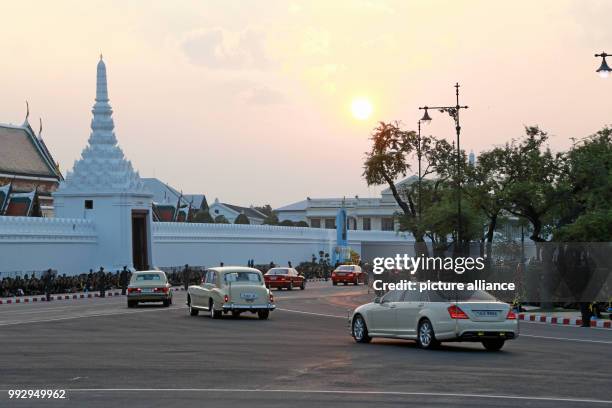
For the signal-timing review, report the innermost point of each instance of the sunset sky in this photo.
(250, 101)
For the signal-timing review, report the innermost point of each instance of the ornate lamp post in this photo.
(419, 155)
(604, 69)
(453, 112)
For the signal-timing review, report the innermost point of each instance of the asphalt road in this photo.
(104, 354)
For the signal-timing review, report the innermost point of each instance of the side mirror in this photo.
(377, 299)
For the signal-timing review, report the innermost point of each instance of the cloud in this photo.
(221, 49)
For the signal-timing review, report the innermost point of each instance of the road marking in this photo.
(40, 310)
(311, 313)
(347, 392)
(566, 339)
(56, 319)
(521, 335)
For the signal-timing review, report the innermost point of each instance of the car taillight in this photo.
(455, 312)
(350, 274)
(334, 273)
(133, 290)
(271, 298)
(511, 315)
(226, 298)
(163, 290)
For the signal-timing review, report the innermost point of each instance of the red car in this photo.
(348, 274)
(287, 278)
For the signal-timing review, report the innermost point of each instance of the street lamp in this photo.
(604, 69)
(419, 155)
(453, 112)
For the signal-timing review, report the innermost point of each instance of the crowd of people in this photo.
(51, 282)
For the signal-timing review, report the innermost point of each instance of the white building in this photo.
(375, 214)
(231, 212)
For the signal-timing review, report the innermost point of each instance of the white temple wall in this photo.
(176, 244)
(35, 244)
(74, 246)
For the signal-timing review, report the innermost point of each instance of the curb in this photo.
(55, 297)
(564, 321)
(36, 299)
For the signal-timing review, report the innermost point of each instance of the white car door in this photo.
(382, 316)
(408, 313)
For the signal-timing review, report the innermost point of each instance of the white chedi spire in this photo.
(102, 167)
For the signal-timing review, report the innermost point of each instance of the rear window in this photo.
(242, 277)
(278, 271)
(460, 296)
(348, 268)
(148, 277)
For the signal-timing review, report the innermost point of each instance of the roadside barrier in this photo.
(36, 299)
(64, 296)
(566, 321)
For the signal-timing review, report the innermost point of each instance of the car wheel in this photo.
(345, 283)
(303, 285)
(214, 314)
(192, 310)
(235, 314)
(263, 315)
(334, 283)
(493, 345)
(356, 282)
(426, 338)
(166, 303)
(132, 303)
(360, 330)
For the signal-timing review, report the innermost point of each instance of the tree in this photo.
(220, 219)
(586, 188)
(287, 223)
(242, 219)
(302, 224)
(530, 173)
(392, 152)
(271, 218)
(203, 216)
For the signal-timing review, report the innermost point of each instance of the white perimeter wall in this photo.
(34, 244)
(74, 246)
(176, 244)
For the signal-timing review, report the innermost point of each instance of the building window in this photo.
(315, 223)
(330, 223)
(367, 224)
(387, 224)
(89, 204)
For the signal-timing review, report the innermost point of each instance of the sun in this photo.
(361, 108)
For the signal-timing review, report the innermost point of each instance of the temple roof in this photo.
(23, 154)
(102, 167)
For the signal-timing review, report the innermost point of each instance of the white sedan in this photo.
(431, 317)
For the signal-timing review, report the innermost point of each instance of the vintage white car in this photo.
(432, 317)
(231, 289)
(149, 286)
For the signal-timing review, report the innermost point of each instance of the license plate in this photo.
(147, 290)
(273, 278)
(248, 296)
(486, 313)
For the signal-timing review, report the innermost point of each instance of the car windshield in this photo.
(242, 277)
(277, 271)
(148, 277)
(345, 268)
